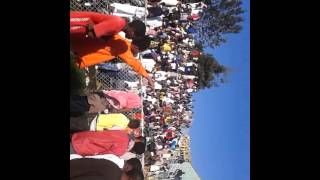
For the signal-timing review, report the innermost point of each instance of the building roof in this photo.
(186, 167)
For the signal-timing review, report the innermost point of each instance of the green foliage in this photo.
(222, 17)
(77, 77)
(210, 72)
(198, 46)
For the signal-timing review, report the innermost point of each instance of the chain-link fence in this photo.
(120, 79)
(123, 78)
(102, 6)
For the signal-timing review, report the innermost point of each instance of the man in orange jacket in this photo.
(100, 25)
(92, 51)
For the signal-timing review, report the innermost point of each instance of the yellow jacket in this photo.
(107, 121)
(166, 47)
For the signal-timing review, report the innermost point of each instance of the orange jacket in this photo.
(93, 51)
(103, 24)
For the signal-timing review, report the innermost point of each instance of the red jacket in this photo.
(103, 25)
(169, 135)
(195, 53)
(91, 143)
(139, 116)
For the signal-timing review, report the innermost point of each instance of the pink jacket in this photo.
(123, 99)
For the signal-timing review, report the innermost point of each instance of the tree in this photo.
(210, 72)
(222, 17)
(198, 46)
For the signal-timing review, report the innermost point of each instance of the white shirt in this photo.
(191, 44)
(168, 100)
(128, 9)
(157, 85)
(173, 65)
(132, 84)
(154, 22)
(189, 90)
(123, 35)
(93, 124)
(196, 11)
(170, 2)
(185, 41)
(182, 68)
(188, 76)
(160, 75)
(171, 56)
(186, 52)
(172, 128)
(151, 99)
(193, 5)
(167, 156)
(154, 168)
(128, 155)
(159, 146)
(148, 64)
(75, 156)
(173, 74)
(189, 64)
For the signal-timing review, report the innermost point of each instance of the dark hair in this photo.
(138, 148)
(162, 4)
(135, 175)
(142, 42)
(134, 123)
(138, 27)
(135, 163)
(142, 139)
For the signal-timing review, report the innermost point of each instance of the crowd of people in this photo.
(105, 140)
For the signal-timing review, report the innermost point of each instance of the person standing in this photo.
(97, 25)
(92, 51)
(116, 142)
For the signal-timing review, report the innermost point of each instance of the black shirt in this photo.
(94, 169)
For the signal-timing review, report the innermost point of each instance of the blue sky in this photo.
(220, 133)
